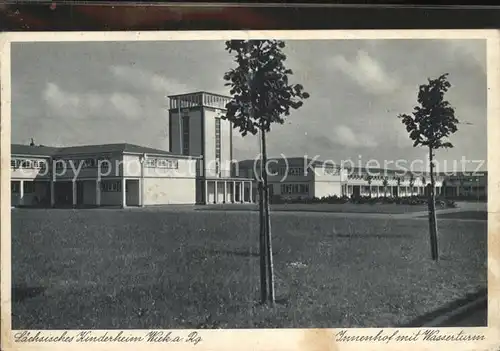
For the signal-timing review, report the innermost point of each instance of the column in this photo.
(52, 193)
(233, 197)
(216, 193)
(73, 185)
(458, 191)
(141, 183)
(141, 192)
(21, 192)
(241, 192)
(98, 192)
(251, 192)
(206, 191)
(124, 193)
(225, 191)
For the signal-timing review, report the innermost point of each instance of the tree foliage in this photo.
(260, 88)
(433, 120)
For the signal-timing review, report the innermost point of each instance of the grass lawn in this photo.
(194, 269)
(339, 208)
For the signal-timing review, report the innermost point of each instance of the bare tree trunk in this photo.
(432, 210)
(269, 246)
(262, 243)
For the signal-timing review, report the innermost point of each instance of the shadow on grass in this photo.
(240, 253)
(21, 293)
(431, 316)
(373, 236)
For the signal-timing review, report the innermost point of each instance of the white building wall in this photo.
(225, 135)
(327, 181)
(226, 148)
(209, 157)
(185, 167)
(327, 188)
(160, 191)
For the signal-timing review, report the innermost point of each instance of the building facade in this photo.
(197, 129)
(298, 177)
(100, 175)
(196, 169)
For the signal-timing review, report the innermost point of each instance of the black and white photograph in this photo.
(249, 183)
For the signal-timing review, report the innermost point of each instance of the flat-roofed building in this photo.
(196, 168)
(299, 177)
(100, 175)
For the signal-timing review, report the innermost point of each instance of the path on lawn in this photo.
(461, 207)
(337, 211)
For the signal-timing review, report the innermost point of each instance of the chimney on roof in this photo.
(32, 143)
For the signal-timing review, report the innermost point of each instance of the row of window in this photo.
(195, 100)
(294, 188)
(292, 171)
(28, 164)
(110, 186)
(217, 144)
(216, 101)
(91, 162)
(162, 163)
(185, 101)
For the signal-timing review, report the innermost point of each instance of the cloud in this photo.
(345, 136)
(144, 80)
(367, 73)
(82, 105)
(468, 51)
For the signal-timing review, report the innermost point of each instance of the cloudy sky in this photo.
(94, 93)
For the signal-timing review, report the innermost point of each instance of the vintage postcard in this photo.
(260, 190)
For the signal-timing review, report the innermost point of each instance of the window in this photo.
(26, 164)
(14, 163)
(151, 162)
(14, 187)
(111, 186)
(185, 135)
(294, 188)
(296, 171)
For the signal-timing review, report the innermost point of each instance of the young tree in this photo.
(261, 96)
(385, 183)
(411, 183)
(430, 124)
(368, 179)
(398, 186)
